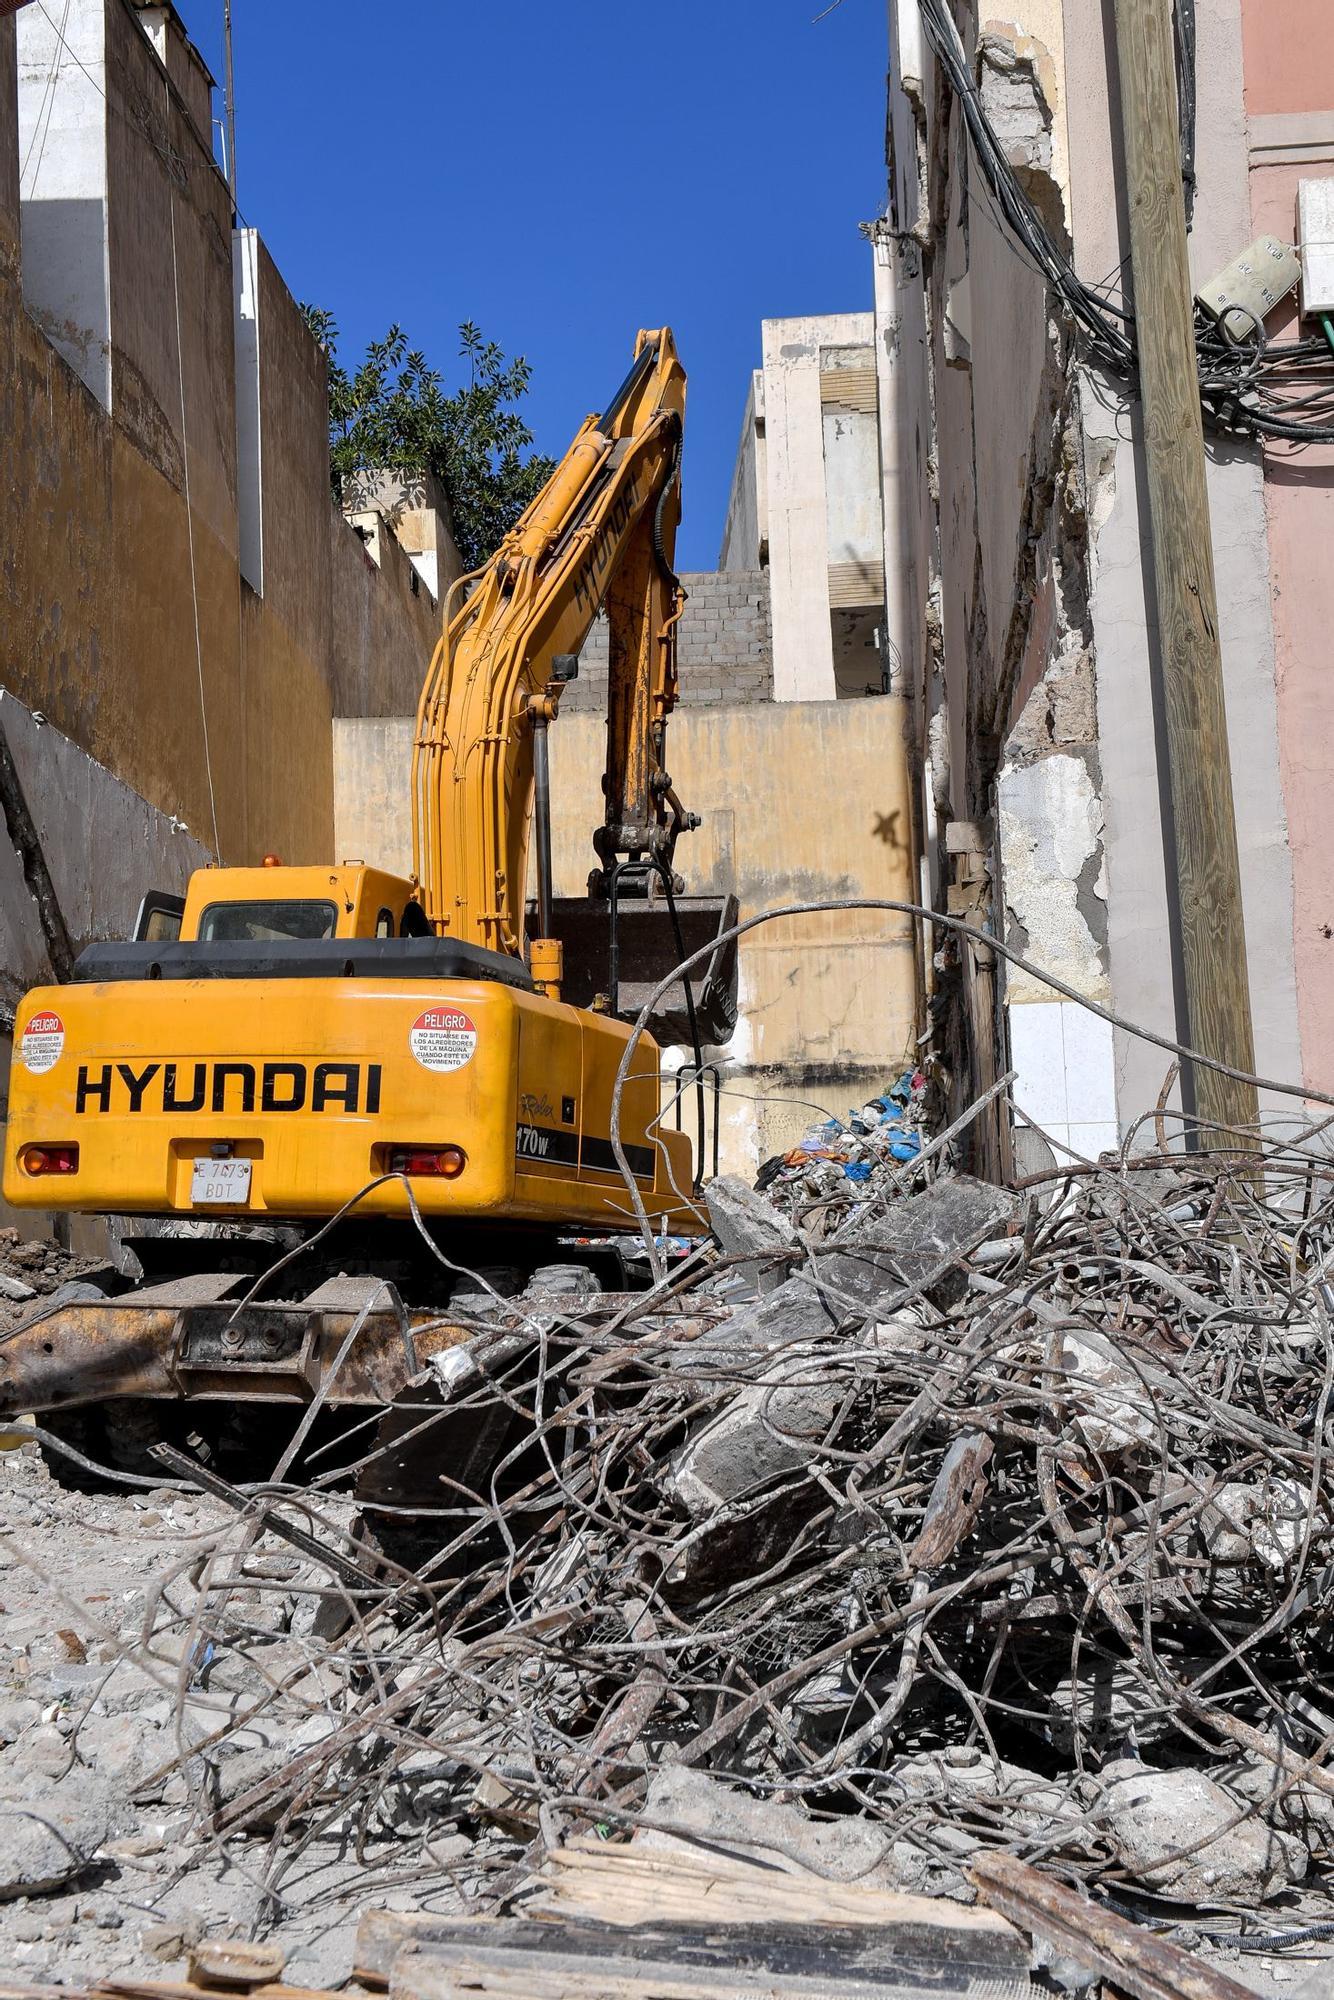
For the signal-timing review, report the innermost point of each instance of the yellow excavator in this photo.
(432, 1061)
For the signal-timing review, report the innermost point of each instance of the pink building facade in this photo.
(1288, 55)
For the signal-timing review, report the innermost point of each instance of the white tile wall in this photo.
(1066, 1081)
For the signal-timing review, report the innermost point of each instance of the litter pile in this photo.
(856, 1156)
(991, 1521)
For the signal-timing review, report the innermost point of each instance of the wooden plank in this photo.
(826, 1954)
(955, 1502)
(628, 1885)
(382, 1934)
(1133, 1959)
(183, 1989)
(453, 1972)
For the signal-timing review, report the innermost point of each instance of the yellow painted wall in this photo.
(802, 802)
(97, 592)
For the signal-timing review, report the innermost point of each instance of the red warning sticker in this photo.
(443, 1038)
(41, 1043)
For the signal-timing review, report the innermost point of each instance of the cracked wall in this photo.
(1016, 705)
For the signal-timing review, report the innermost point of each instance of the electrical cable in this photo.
(190, 524)
(1183, 36)
(1257, 388)
(46, 109)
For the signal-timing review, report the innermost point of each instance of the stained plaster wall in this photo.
(106, 564)
(827, 1001)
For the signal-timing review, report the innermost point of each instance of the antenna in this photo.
(230, 105)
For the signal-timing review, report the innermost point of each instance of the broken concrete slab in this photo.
(743, 1221)
(692, 1813)
(768, 1429)
(867, 1270)
(50, 1835)
(1108, 1705)
(1179, 1834)
(954, 1779)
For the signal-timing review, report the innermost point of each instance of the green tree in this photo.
(394, 411)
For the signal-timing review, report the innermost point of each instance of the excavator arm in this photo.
(600, 535)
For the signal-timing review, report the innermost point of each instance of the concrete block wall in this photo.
(724, 645)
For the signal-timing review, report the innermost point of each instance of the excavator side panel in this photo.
(134, 1097)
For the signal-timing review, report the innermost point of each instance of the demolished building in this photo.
(1018, 561)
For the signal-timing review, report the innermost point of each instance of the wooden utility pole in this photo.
(1208, 875)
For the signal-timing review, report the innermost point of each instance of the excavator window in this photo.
(384, 924)
(265, 922)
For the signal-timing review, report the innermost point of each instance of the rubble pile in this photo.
(36, 1267)
(990, 1521)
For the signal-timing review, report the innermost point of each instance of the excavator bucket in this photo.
(646, 950)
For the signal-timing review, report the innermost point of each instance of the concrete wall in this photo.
(800, 802)
(62, 104)
(1140, 869)
(78, 809)
(746, 528)
(806, 503)
(124, 617)
(724, 645)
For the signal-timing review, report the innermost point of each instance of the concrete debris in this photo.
(33, 1267)
(966, 1521)
(690, 1812)
(743, 1221)
(1106, 1707)
(49, 1835)
(1182, 1837)
(1261, 1521)
(770, 1429)
(1110, 1405)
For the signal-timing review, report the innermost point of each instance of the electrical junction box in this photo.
(1241, 297)
(1315, 233)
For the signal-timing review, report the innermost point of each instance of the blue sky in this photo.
(564, 175)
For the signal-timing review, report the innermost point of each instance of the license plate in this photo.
(220, 1183)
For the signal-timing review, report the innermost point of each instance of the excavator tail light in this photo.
(49, 1159)
(443, 1162)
